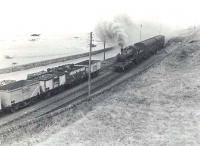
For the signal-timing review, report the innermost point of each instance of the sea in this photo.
(27, 48)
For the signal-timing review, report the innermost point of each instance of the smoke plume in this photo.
(119, 31)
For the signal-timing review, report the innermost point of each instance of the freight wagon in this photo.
(95, 66)
(18, 94)
(76, 76)
(47, 83)
(44, 84)
(35, 75)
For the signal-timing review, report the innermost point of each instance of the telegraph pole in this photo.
(89, 69)
(140, 32)
(13, 66)
(104, 47)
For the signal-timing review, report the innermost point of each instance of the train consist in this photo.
(44, 84)
(135, 54)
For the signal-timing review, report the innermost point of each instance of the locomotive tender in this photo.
(134, 54)
(44, 84)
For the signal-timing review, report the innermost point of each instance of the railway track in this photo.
(108, 82)
(17, 117)
(76, 96)
(94, 89)
(102, 83)
(57, 105)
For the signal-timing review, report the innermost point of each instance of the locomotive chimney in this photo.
(121, 45)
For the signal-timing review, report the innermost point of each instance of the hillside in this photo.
(159, 107)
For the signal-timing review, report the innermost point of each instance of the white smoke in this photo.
(122, 31)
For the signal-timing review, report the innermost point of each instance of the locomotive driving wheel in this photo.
(14, 108)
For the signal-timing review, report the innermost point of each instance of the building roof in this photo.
(86, 62)
(16, 85)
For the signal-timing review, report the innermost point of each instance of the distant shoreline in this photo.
(49, 61)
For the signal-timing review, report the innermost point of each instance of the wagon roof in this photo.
(38, 73)
(55, 72)
(58, 73)
(60, 70)
(35, 74)
(47, 77)
(149, 41)
(86, 62)
(76, 67)
(17, 84)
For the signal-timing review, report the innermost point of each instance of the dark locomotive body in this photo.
(134, 54)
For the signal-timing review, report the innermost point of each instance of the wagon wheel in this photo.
(27, 102)
(13, 109)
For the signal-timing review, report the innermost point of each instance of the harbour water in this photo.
(23, 49)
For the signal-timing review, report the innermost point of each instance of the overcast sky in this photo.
(73, 16)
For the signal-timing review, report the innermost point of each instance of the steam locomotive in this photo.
(134, 54)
